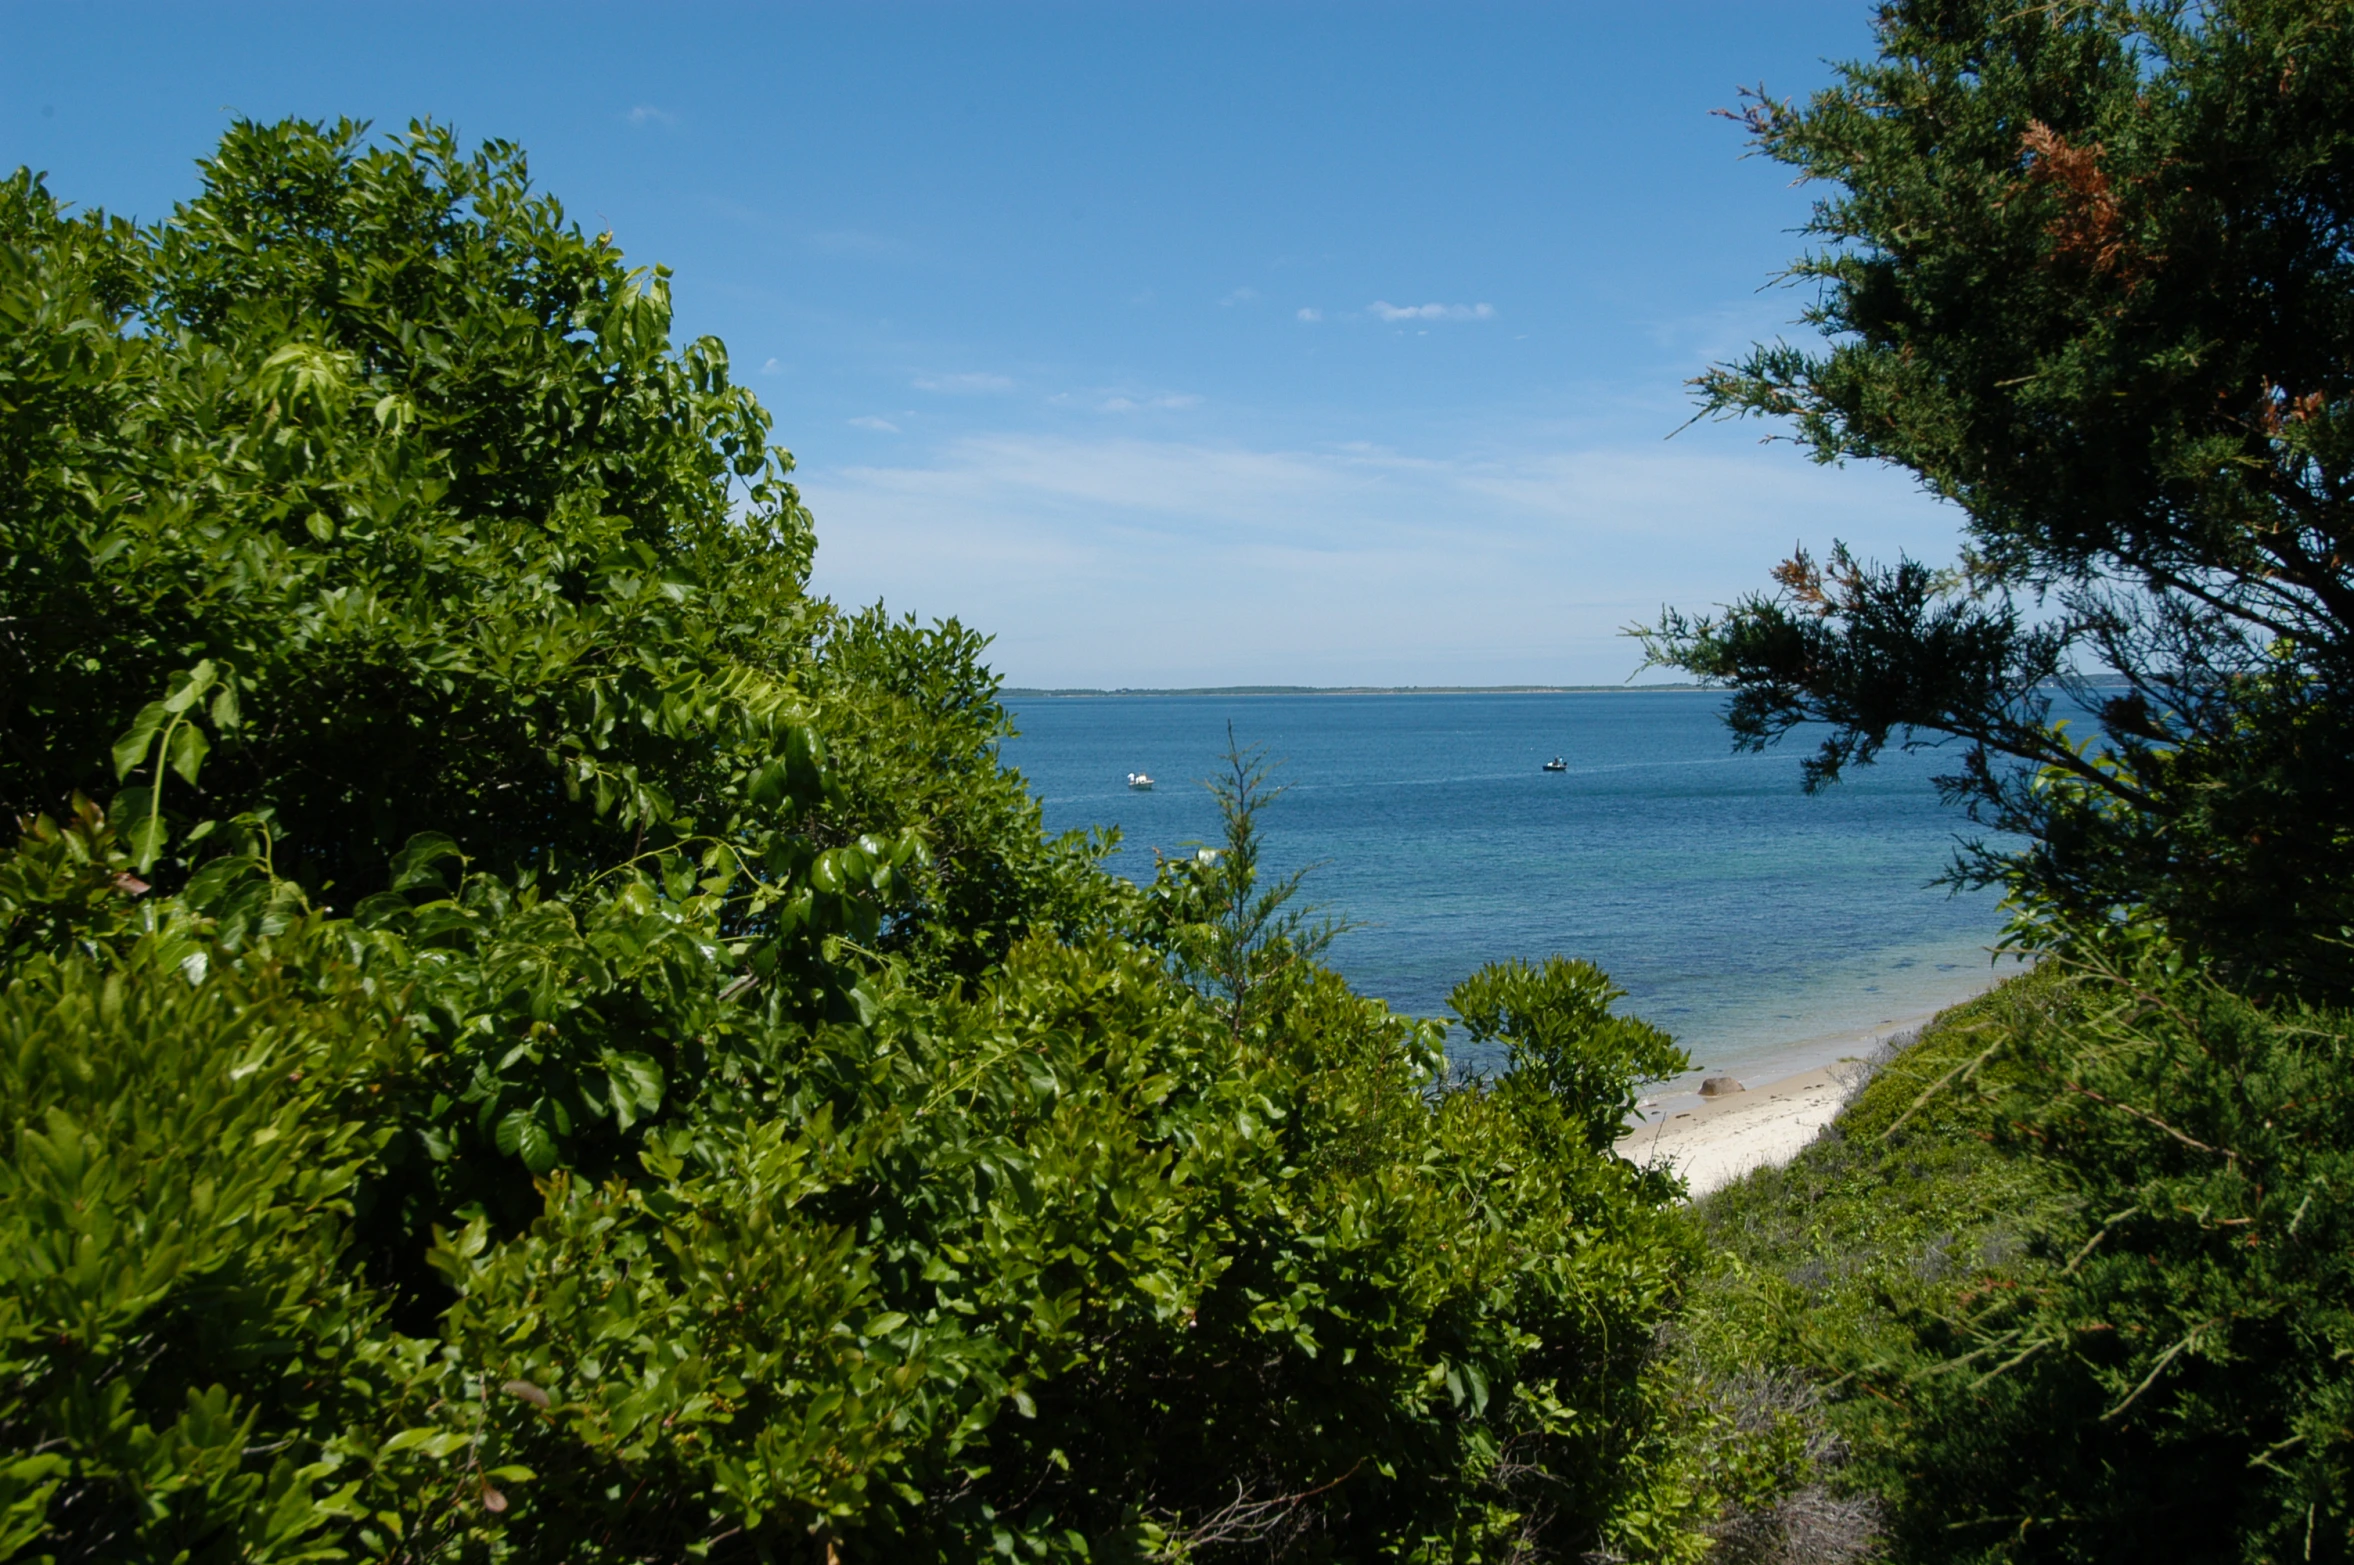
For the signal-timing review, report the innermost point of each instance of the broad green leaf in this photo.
(189, 688)
(416, 863)
(768, 783)
(130, 751)
(145, 834)
(187, 750)
(537, 1146)
(636, 1083)
(216, 878)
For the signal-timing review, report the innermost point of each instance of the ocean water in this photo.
(1769, 931)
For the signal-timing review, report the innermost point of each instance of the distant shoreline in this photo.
(1031, 693)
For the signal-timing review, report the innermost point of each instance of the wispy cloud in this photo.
(1240, 296)
(1729, 331)
(1169, 400)
(1308, 313)
(1382, 309)
(869, 421)
(969, 384)
(1118, 559)
(772, 367)
(647, 114)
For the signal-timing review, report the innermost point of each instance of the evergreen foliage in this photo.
(2075, 1271)
(2085, 273)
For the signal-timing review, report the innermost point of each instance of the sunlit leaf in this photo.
(187, 750)
(130, 751)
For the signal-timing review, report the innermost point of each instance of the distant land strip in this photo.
(1032, 693)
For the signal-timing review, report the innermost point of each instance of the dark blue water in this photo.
(1763, 927)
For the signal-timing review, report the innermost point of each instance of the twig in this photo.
(1939, 1085)
(2158, 1368)
(2144, 1115)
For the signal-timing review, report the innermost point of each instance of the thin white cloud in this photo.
(772, 367)
(973, 383)
(1167, 401)
(869, 421)
(1311, 314)
(1382, 309)
(1240, 296)
(1124, 560)
(647, 114)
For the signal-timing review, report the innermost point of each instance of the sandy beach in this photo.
(1714, 1141)
(1724, 1138)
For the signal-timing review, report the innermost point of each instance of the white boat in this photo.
(1140, 781)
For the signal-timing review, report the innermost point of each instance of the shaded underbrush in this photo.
(2066, 1281)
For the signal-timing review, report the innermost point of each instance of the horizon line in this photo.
(1068, 692)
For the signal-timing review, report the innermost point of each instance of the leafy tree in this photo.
(552, 1043)
(382, 498)
(2086, 274)
(1559, 1032)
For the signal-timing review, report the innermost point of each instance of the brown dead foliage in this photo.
(2089, 230)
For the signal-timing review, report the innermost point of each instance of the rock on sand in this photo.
(1719, 1141)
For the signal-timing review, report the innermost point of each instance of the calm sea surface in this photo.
(1755, 923)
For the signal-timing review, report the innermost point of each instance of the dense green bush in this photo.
(2076, 1270)
(1057, 1258)
(2173, 1379)
(555, 1044)
(391, 489)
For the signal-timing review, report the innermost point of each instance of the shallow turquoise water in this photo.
(1750, 920)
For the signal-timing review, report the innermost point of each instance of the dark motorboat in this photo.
(1557, 764)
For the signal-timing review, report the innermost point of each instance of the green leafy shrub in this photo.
(1563, 1041)
(1058, 1260)
(368, 499)
(557, 1045)
(187, 1131)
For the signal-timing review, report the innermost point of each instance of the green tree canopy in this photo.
(365, 498)
(413, 466)
(2087, 272)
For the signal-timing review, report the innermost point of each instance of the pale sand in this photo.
(1724, 1138)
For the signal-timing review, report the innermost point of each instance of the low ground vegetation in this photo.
(2069, 1280)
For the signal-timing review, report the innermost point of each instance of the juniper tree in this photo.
(2085, 269)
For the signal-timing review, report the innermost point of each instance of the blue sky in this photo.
(1168, 343)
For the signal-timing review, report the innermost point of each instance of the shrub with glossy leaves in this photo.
(367, 498)
(559, 1045)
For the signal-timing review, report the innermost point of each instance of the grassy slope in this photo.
(1824, 1269)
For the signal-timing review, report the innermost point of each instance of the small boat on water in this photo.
(1140, 781)
(1557, 764)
